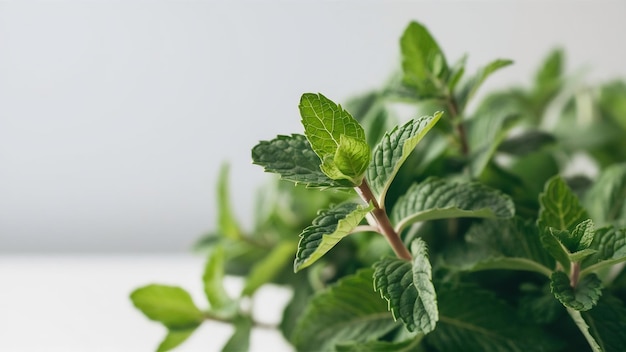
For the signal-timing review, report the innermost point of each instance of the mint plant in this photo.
(455, 231)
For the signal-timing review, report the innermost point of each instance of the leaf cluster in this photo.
(454, 229)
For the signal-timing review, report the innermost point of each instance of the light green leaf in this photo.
(350, 310)
(240, 340)
(578, 239)
(474, 320)
(393, 150)
(606, 199)
(408, 289)
(610, 246)
(267, 268)
(583, 297)
(174, 338)
(423, 63)
(556, 249)
(328, 228)
(213, 279)
(440, 199)
(294, 160)
(551, 70)
(411, 345)
(470, 87)
(559, 206)
(170, 305)
(352, 156)
(606, 322)
(486, 130)
(226, 222)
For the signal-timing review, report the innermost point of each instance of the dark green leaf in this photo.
(293, 159)
(393, 150)
(606, 200)
(350, 310)
(608, 324)
(474, 320)
(440, 199)
(169, 305)
(328, 228)
(174, 338)
(408, 289)
(411, 345)
(583, 297)
(240, 340)
(610, 246)
(560, 208)
(423, 63)
(556, 249)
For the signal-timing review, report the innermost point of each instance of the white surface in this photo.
(80, 303)
(115, 115)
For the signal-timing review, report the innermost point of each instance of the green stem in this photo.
(453, 109)
(384, 224)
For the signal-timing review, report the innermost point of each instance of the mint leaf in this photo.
(583, 297)
(240, 340)
(471, 319)
(294, 160)
(526, 142)
(578, 239)
(556, 249)
(606, 322)
(213, 279)
(486, 130)
(606, 200)
(269, 267)
(170, 305)
(328, 228)
(440, 199)
(423, 62)
(584, 329)
(174, 338)
(408, 288)
(347, 311)
(325, 123)
(610, 246)
(393, 150)
(410, 345)
(469, 88)
(226, 221)
(560, 207)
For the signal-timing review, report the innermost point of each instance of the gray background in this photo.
(116, 115)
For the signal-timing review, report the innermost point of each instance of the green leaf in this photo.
(226, 222)
(170, 305)
(560, 208)
(411, 345)
(471, 319)
(486, 130)
(328, 228)
(393, 150)
(213, 279)
(606, 322)
(506, 263)
(423, 63)
(551, 70)
(350, 310)
(440, 199)
(408, 288)
(610, 246)
(606, 200)
(268, 268)
(469, 89)
(325, 123)
(556, 249)
(578, 239)
(583, 297)
(240, 340)
(174, 338)
(526, 142)
(294, 160)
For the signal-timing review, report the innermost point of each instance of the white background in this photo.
(116, 115)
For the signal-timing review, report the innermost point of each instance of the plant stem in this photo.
(460, 127)
(384, 225)
(574, 274)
